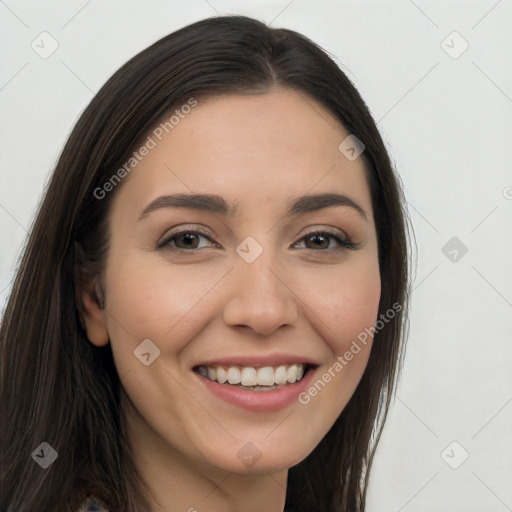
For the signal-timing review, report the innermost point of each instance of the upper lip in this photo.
(260, 361)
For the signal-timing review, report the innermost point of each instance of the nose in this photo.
(261, 298)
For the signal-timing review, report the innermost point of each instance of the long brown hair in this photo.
(56, 387)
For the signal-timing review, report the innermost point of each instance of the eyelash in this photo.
(345, 244)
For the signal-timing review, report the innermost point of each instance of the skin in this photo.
(308, 300)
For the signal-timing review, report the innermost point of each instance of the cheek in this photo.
(347, 303)
(347, 309)
(158, 300)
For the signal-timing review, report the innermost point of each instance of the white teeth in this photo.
(280, 375)
(212, 373)
(234, 375)
(222, 375)
(291, 374)
(250, 377)
(266, 376)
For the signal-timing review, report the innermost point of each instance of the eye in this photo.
(185, 240)
(189, 240)
(321, 240)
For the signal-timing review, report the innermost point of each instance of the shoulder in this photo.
(92, 503)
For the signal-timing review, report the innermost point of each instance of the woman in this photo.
(209, 313)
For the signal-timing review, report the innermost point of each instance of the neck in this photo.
(177, 484)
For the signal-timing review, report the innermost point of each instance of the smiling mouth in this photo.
(266, 378)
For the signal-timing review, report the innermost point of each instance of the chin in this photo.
(254, 458)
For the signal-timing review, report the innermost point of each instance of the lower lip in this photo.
(259, 401)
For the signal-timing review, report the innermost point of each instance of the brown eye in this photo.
(327, 241)
(318, 241)
(186, 240)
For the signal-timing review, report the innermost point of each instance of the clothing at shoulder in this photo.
(92, 504)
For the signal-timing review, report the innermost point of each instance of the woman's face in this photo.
(220, 267)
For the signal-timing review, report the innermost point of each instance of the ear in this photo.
(94, 314)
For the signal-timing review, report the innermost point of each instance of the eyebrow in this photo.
(217, 204)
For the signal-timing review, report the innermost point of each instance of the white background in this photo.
(448, 124)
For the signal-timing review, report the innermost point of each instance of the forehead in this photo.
(250, 149)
